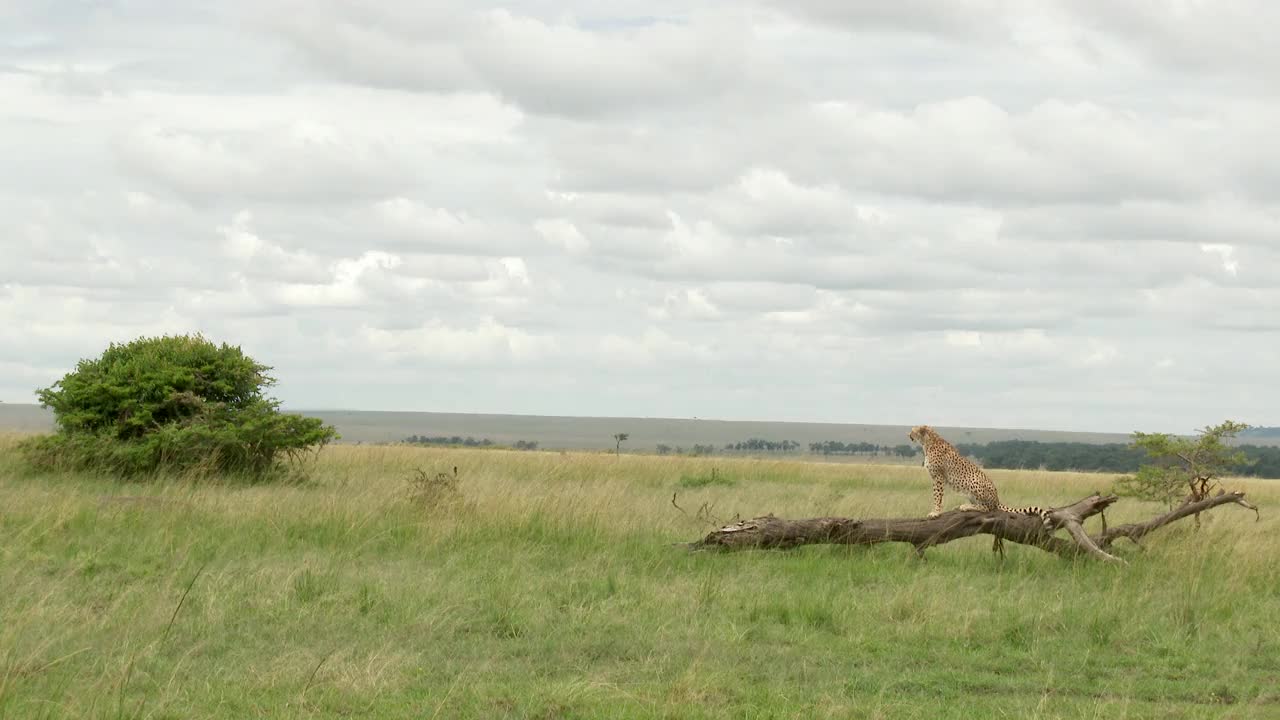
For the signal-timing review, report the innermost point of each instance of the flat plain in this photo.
(549, 585)
(596, 433)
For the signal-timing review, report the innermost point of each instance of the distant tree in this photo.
(1183, 466)
(664, 449)
(904, 450)
(620, 438)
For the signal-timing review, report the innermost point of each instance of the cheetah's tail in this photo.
(1029, 510)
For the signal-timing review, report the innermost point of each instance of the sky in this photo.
(1057, 214)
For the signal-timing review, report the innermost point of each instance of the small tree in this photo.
(1186, 467)
(620, 438)
(171, 403)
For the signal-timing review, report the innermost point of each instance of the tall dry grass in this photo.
(547, 586)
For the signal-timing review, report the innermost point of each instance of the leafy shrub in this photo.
(179, 404)
(1183, 468)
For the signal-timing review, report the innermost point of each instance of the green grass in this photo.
(706, 479)
(548, 587)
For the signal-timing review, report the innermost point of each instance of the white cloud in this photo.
(488, 342)
(343, 288)
(652, 348)
(1227, 253)
(692, 303)
(553, 66)
(973, 149)
(964, 338)
(1099, 355)
(404, 214)
(961, 18)
(979, 212)
(563, 234)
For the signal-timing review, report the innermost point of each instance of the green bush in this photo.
(177, 404)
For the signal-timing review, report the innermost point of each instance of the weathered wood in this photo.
(771, 532)
(1134, 531)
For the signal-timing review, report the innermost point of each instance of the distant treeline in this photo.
(835, 447)
(460, 441)
(678, 450)
(825, 447)
(1011, 454)
(1033, 455)
(760, 445)
(1109, 457)
(1260, 432)
(1263, 461)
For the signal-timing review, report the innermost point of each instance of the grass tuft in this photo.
(702, 480)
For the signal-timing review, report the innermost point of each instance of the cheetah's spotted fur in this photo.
(948, 467)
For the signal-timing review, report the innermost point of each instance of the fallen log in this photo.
(770, 532)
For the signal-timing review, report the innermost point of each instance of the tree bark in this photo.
(1134, 531)
(770, 532)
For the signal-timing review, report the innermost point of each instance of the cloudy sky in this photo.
(1004, 213)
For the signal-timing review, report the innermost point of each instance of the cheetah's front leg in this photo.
(939, 480)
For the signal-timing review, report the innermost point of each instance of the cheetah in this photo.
(947, 466)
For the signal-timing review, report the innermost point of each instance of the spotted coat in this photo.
(947, 466)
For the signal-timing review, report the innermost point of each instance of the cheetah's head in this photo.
(919, 433)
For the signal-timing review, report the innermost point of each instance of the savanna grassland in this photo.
(547, 586)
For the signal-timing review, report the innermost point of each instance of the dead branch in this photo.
(770, 532)
(1134, 531)
(704, 510)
